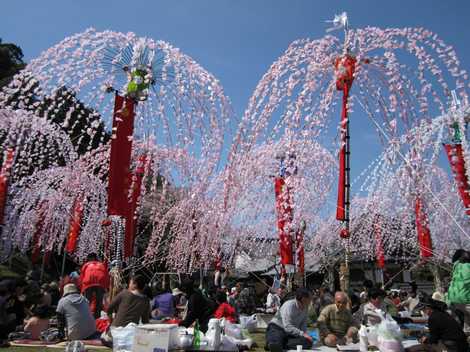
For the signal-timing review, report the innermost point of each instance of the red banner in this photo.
(130, 222)
(4, 176)
(120, 158)
(344, 69)
(74, 227)
(379, 249)
(457, 164)
(422, 228)
(284, 219)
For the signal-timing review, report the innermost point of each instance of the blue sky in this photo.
(236, 40)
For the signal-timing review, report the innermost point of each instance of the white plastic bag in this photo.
(389, 335)
(233, 330)
(229, 341)
(123, 337)
(249, 322)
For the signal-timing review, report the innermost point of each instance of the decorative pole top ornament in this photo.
(340, 21)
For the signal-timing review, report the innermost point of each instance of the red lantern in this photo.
(344, 71)
(344, 233)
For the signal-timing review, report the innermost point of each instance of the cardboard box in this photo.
(155, 338)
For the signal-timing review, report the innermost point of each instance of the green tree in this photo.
(11, 62)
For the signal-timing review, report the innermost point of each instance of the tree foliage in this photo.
(11, 62)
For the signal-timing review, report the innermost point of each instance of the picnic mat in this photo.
(95, 344)
(28, 343)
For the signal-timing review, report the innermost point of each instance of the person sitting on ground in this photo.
(445, 334)
(288, 328)
(233, 296)
(94, 280)
(395, 297)
(390, 306)
(198, 310)
(16, 301)
(163, 305)
(245, 302)
(180, 301)
(37, 323)
(54, 292)
(336, 323)
(273, 301)
(7, 320)
(74, 315)
(376, 302)
(131, 305)
(323, 299)
(411, 302)
(224, 310)
(366, 285)
(46, 298)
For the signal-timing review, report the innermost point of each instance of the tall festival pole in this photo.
(344, 70)
(121, 207)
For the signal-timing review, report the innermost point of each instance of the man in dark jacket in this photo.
(199, 308)
(444, 331)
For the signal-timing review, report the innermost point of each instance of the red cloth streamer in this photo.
(379, 249)
(120, 158)
(38, 230)
(4, 175)
(284, 219)
(344, 68)
(130, 222)
(457, 164)
(300, 251)
(74, 227)
(424, 235)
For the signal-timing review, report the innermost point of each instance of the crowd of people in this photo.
(80, 307)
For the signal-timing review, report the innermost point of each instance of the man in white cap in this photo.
(74, 315)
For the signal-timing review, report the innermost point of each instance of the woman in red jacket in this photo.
(224, 310)
(94, 281)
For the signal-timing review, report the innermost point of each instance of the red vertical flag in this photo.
(379, 249)
(74, 227)
(284, 219)
(4, 176)
(422, 228)
(457, 164)
(120, 158)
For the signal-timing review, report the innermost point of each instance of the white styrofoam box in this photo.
(155, 338)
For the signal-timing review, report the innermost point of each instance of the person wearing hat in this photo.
(74, 315)
(180, 300)
(445, 334)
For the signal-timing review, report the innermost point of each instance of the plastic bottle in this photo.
(363, 341)
(197, 336)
